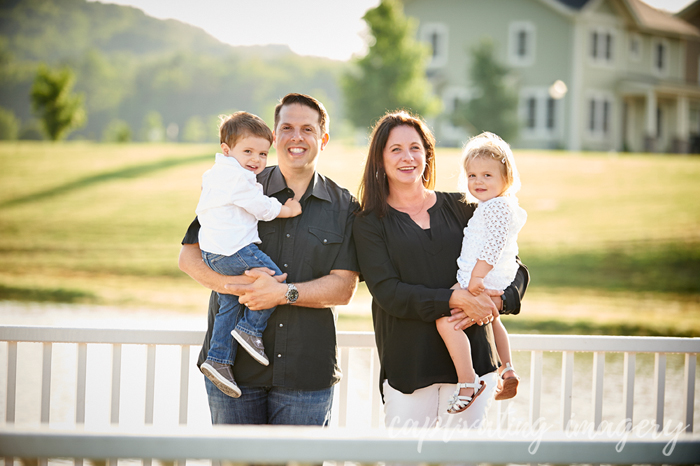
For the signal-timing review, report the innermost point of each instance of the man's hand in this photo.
(265, 292)
(495, 296)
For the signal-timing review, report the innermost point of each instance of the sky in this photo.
(338, 31)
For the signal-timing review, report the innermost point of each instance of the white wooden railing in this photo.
(560, 445)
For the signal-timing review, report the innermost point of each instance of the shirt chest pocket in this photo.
(323, 249)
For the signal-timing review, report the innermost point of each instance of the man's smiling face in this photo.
(298, 137)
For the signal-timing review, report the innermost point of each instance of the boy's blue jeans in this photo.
(231, 313)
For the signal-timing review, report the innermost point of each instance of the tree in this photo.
(392, 74)
(152, 129)
(117, 131)
(59, 109)
(493, 104)
(9, 125)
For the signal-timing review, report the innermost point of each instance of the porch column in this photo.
(681, 144)
(631, 131)
(650, 133)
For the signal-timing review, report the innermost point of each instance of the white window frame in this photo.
(449, 96)
(599, 58)
(635, 38)
(438, 58)
(515, 29)
(600, 131)
(665, 69)
(541, 97)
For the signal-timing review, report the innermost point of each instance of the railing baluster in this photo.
(343, 398)
(659, 388)
(598, 373)
(116, 389)
(184, 383)
(184, 389)
(689, 395)
(150, 390)
(628, 387)
(11, 388)
(46, 383)
(567, 387)
(11, 381)
(535, 385)
(81, 385)
(150, 383)
(116, 382)
(374, 395)
(46, 389)
(80, 391)
(502, 415)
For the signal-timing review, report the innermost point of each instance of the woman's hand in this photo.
(468, 310)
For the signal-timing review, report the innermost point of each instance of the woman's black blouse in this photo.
(409, 274)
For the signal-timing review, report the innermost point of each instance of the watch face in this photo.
(292, 294)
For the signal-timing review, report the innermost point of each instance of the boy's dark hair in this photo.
(240, 125)
(307, 101)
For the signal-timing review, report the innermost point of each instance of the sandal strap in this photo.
(475, 385)
(508, 368)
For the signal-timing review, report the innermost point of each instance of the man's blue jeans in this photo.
(231, 314)
(271, 405)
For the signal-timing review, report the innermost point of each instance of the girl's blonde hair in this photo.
(489, 145)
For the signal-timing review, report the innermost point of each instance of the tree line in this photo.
(112, 78)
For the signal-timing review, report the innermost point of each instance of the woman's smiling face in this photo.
(404, 156)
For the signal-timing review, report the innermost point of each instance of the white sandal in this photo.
(459, 403)
(507, 388)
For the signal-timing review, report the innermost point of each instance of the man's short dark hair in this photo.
(307, 101)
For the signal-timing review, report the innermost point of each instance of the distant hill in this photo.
(146, 72)
(59, 29)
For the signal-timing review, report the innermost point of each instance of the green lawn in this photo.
(612, 241)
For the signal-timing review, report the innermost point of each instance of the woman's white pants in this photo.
(427, 407)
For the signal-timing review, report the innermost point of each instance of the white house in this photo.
(591, 74)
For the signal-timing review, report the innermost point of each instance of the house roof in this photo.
(691, 12)
(656, 20)
(575, 4)
(646, 17)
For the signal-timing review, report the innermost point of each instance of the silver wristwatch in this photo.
(292, 293)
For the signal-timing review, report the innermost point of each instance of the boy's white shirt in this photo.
(231, 203)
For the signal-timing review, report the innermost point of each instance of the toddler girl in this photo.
(488, 258)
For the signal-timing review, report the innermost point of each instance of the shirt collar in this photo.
(318, 186)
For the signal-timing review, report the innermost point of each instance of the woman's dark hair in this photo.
(374, 187)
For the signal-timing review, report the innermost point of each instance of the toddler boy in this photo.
(230, 206)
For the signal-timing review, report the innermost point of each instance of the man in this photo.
(316, 251)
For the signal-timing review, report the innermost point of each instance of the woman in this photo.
(408, 238)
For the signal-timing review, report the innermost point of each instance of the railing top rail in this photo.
(314, 445)
(101, 335)
(520, 342)
(605, 343)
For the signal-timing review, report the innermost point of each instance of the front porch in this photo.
(660, 117)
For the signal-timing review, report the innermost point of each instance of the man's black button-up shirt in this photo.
(299, 341)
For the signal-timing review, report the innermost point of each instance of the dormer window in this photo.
(635, 47)
(521, 43)
(660, 57)
(435, 35)
(602, 46)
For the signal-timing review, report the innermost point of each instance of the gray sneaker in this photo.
(253, 345)
(221, 376)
